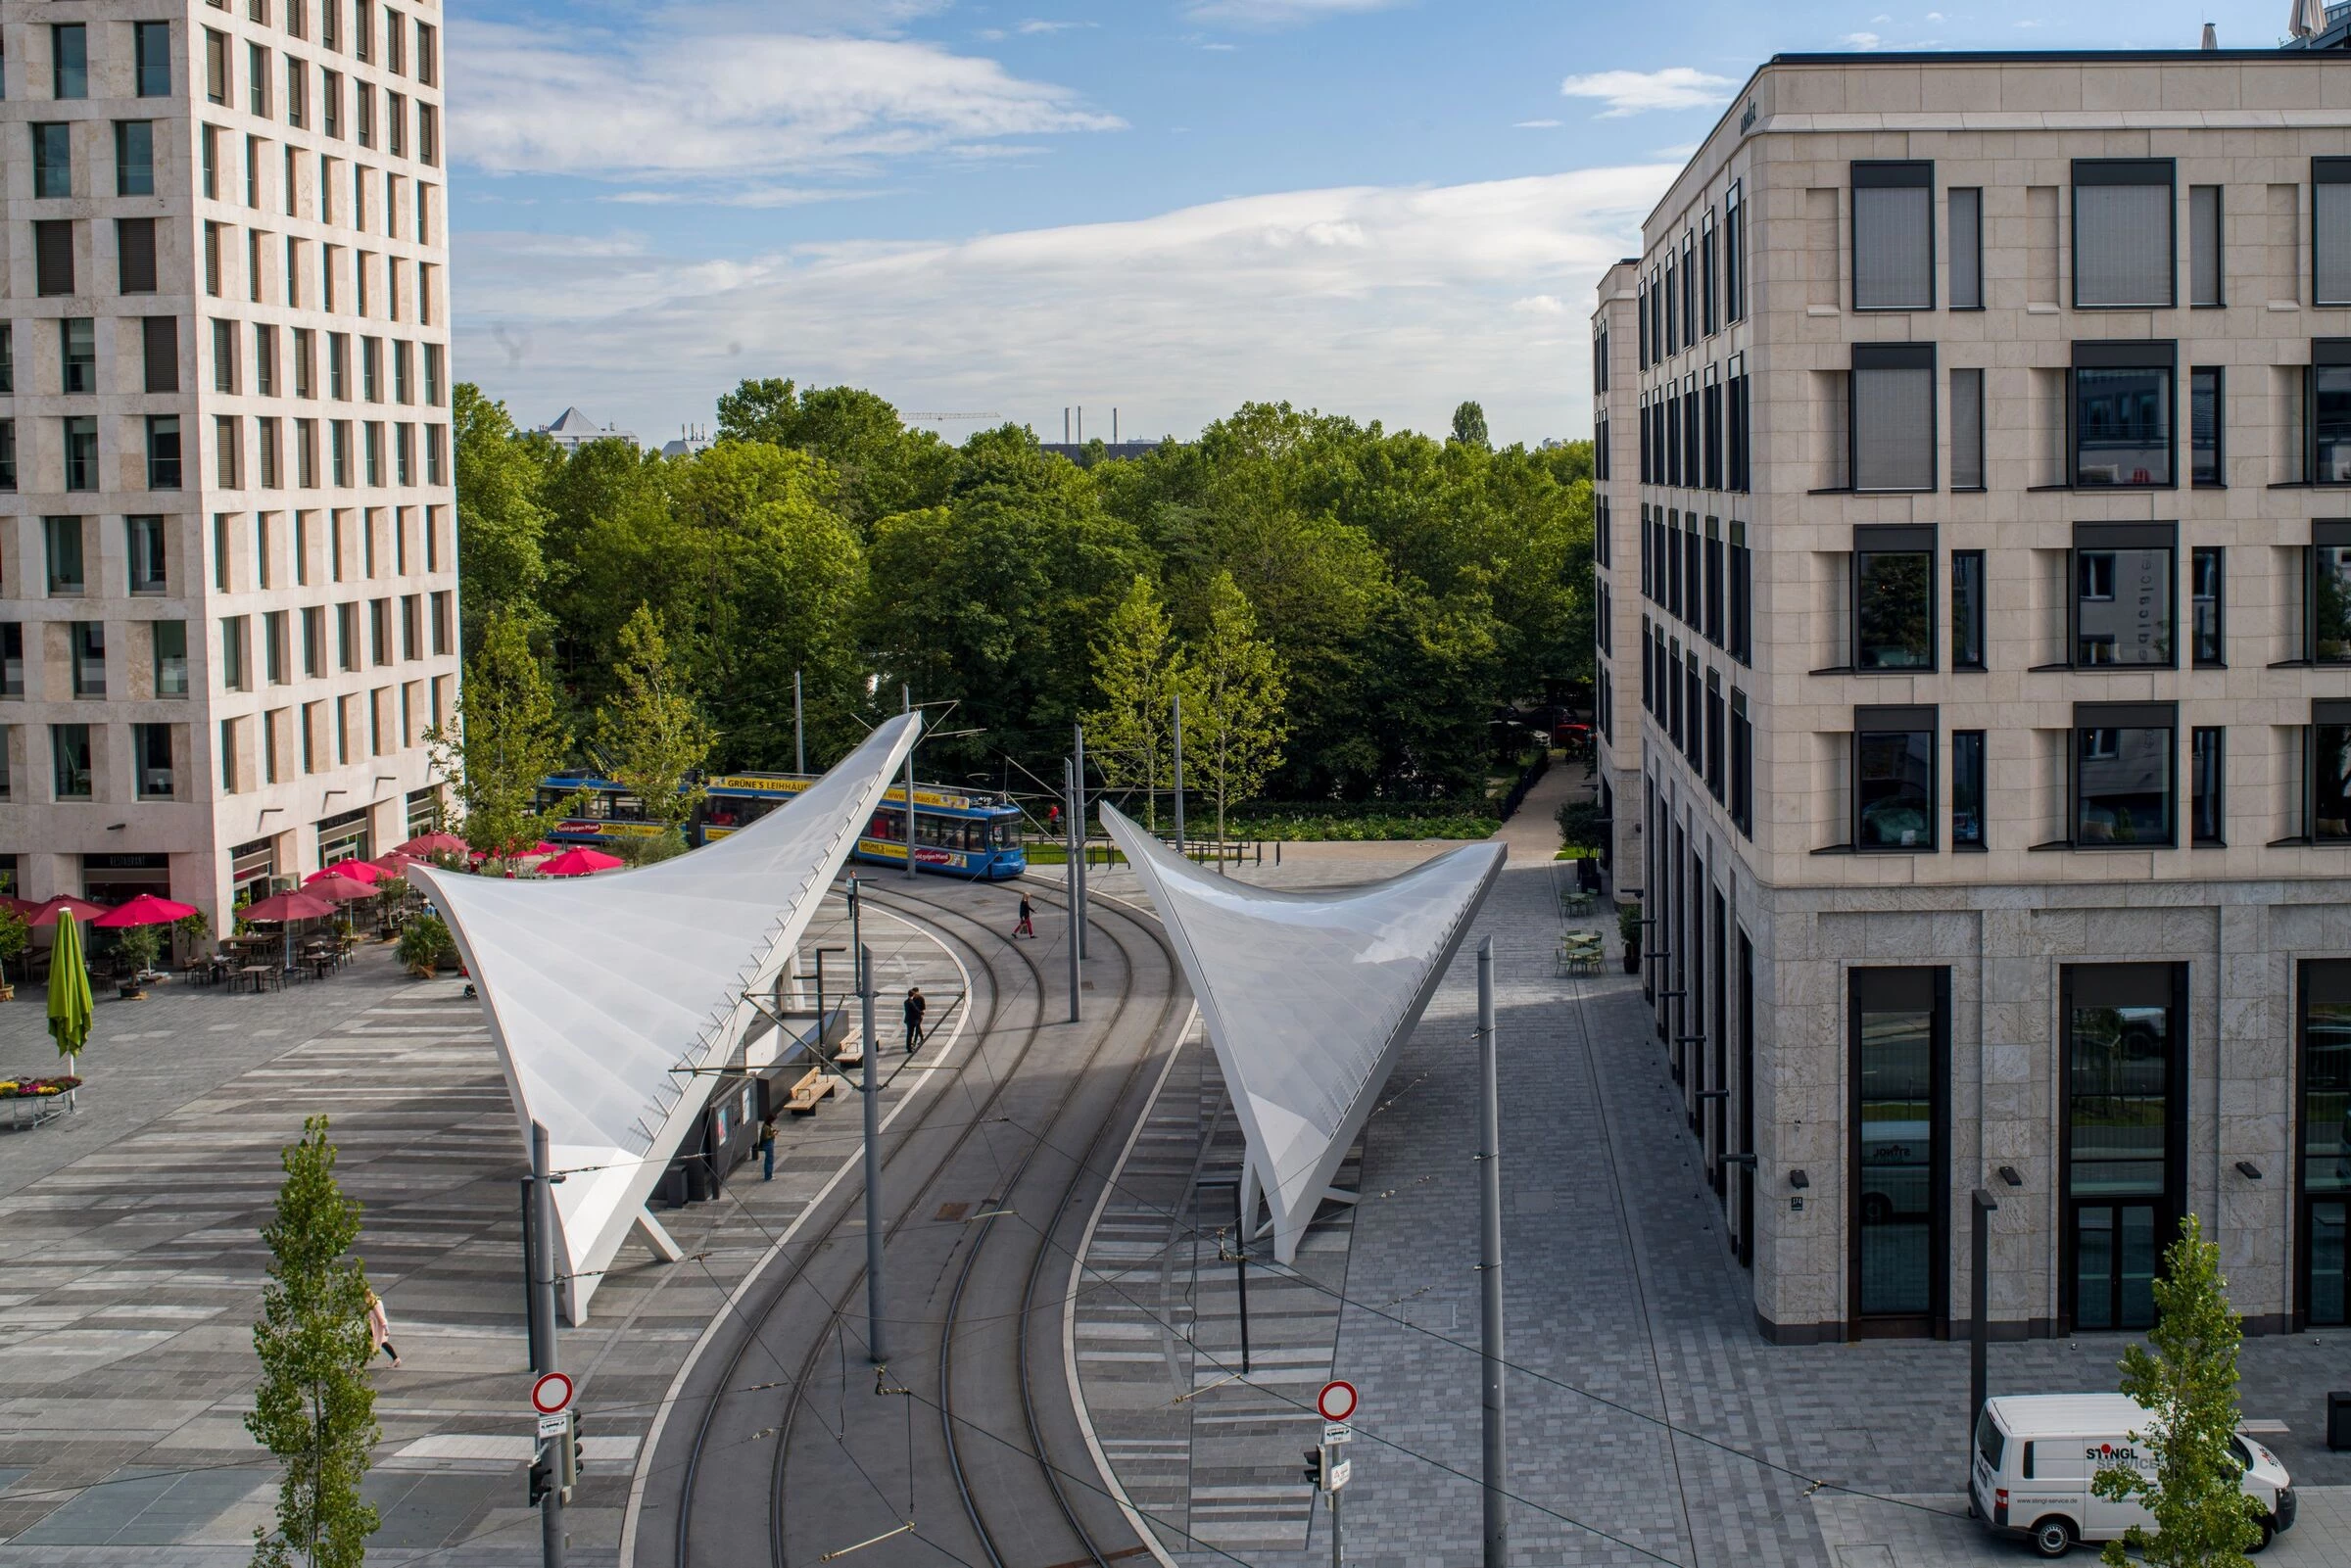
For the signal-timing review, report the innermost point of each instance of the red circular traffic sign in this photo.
(1336, 1401)
(552, 1394)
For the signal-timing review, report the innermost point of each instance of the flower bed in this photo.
(28, 1088)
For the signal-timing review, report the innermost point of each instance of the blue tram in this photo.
(956, 834)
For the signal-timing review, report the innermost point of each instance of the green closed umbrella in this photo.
(68, 989)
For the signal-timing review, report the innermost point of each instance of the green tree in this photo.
(2187, 1383)
(1138, 668)
(15, 937)
(502, 739)
(649, 731)
(501, 521)
(1234, 687)
(315, 1407)
(877, 465)
(1470, 425)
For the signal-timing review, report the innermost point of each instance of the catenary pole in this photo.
(799, 728)
(543, 1279)
(1077, 910)
(876, 1348)
(1180, 773)
(1069, 844)
(906, 705)
(1489, 1192)
(1979, 1327)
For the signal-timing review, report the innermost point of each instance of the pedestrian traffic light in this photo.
(571, 1454)
(1314, 1468)
(542, 1474)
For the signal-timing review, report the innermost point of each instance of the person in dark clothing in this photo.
(767, 1148)
(915, 1007)
(1027, 926)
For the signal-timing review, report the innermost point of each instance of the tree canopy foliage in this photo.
(1394, 589)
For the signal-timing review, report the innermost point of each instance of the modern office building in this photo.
(227, 540)
(1980, 556)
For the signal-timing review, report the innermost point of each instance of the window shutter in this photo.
(1894, 236)
(161, 353)
(53, 255)
(2123, 232)
(134, 247)
(2331, 230)
(1893, 417)
(1967, 430)
(1967, 249)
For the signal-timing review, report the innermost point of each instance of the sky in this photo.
(998, 212)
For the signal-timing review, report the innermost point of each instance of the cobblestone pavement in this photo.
(130, 1266)
(1626, 1307)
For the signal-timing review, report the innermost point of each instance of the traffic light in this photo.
(1314, 1468)
(543, 1475)
(570, 1455)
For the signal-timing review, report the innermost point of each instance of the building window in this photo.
(52, 160)
(2207, 772)
(159, 352)
(374, 438)
(2206, 576)
(215, 67)
(2331, 230)
(379, 631)
(211, 259)
(221, 526)
(434, 461)
(276, 665)
(1893, 778)
(227, 445)
(1738, 425)
(443, 638)
(1892, 416)
(2122, 414)
(2330, 412)
(232, 653)
(2329, 783)
(134, 157)
(1966, 246)
(1742, 766)
(229, 770)
(77, 356)
(1894, 236)
(1734, 256)
(171, 657)
(2329, 593)
(151, 50)
(2124, 1135)
(53, 256)
(1900, 1040)
(1715, 781)
(2125, 755)
(2322, 1146)
(403, 448)
(12, 659)
(347, 637)
(134, 256)
(1894, 598)
(2204, 245)
(151, 751)
(1742, 596)
(88, 643)
(2123, 599)
(2204, 406)
(339, 447)
(70, 753)
(1967, 790)
(144, 536)
(68, 60)
(1967, 430)
(60, 538)
(2125, 252)
(8, 454)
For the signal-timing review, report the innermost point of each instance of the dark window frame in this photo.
(1905, 173)
(2327, 983)
(2102, 538)
(1879, 990)
(2325, 714)
(2133, 990)
(1905, 719)
(2124, 171)
(1894, 538)
(1971, 639)
(2120, 717)
(1909, 356)
(2218, 377)
(1971, 778)
(2198, 557)
(1971, 244)
(2324, 171)
(2215, 803)
(2157, 353)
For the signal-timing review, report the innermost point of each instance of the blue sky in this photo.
(1373, 207)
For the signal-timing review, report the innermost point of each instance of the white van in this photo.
(2036, 1454)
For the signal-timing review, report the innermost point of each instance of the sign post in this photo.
(1338, 1403)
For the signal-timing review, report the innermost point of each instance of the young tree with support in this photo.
(315, 1407)
(502, 739)
(1139, 667)
(651, 730)
(1235, 693)
(2203, 1518)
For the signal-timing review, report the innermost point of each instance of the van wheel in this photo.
(2269, 1533)
(2054, 1537)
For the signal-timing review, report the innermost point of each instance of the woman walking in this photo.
(1026, 925)
(379, 1328)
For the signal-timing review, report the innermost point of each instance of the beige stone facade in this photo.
(2036, 1066)
(227, 523)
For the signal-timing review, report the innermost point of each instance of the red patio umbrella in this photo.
(286, 907)
(22, 906)
(358, 871)
(80, 908)
(432, 844)
(342, 889)
(579, 863)
(144, 910)
(393, 862)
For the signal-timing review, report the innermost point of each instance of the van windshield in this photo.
(1991, 1440)
(2244, 1456)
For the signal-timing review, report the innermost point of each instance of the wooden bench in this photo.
(814, 1085)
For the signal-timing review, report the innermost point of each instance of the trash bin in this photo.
(2339, 1421)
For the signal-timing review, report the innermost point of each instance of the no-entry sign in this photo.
(552, 1394)
(1336, 1401)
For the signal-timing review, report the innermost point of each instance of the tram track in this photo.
(990, 1486)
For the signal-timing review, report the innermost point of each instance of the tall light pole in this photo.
(1069, 840)
(542, 1303)
(877, 1348)
(1078, 920)
(1180, 773)
(1489, 1268)
(906, 705)
(799, 731)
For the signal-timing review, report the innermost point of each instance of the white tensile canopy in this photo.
(1307, 998)
(605, 994)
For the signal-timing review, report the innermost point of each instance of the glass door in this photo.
(2322, 1170)
(1899, 1193)
(2124, 1135)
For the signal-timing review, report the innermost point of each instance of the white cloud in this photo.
(1280, 13)
(742, 104)
(757, 197)
(1860, 41)
(1381, 301)
(1034, 27)
(1535, 124)
(1635, 92)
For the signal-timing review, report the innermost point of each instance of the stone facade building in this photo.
(227, 534)
(1977, 675)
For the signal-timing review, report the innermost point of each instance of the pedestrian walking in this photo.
(915, 1007)
(379, 1329)
(767, 1149)
(1028, 921)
